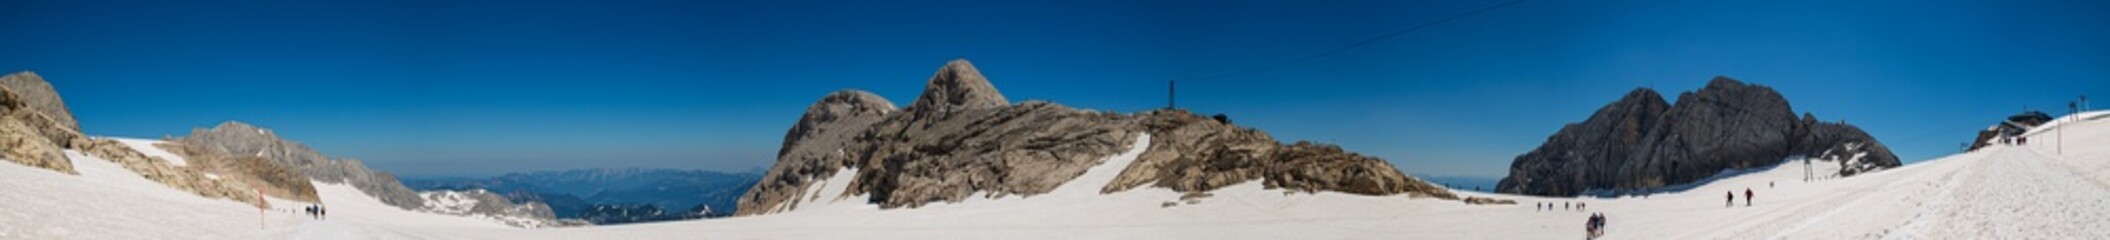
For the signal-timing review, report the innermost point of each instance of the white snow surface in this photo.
(2001, 192)
(146, 146)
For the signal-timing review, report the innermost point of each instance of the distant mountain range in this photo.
(1468, 183)
(614, 196)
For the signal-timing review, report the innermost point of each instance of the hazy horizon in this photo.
(471, 89)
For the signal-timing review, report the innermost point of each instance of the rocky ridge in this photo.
(963, 139)
(1640, 142)
(236, 141)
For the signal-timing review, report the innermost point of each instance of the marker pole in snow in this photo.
(260, 208)
(2072, 109)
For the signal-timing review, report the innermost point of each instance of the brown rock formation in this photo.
(962, 138)
(35, 127)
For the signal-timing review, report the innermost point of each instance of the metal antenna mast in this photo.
(1172, 94)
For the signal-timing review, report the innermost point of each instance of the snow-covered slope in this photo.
(109, 202)
(2032, 192)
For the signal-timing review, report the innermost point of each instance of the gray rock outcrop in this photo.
(1638, 142)
(478, 202)
(963, 139)
(35, 126)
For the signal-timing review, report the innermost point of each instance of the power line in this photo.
(1358, 44)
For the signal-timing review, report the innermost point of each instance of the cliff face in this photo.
(35, 126)
(1638, 142)
(962, 138)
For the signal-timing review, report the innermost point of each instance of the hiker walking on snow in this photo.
(1731, 199)
(1747, 197)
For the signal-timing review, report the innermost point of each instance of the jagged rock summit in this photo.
(1639, 142)
(961, 138)
(958, 86)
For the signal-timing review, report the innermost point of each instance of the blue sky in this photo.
(479, 88)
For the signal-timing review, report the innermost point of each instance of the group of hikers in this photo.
(1595, 226)
(1546, 206)
(317, 212)
(1731, 196)
(2018, 140)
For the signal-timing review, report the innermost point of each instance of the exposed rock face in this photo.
(35, 127)
(1025, 149)
(816, 147)
(24, 144)
(1638, 142)
(249, 172)
(258, 157)
(233, 140)
(493, 206)
(1854, 150)
(957, 86)
(180, 178)
(40, 97)
(962, 139)
(1190, 153)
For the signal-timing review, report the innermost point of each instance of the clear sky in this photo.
(479, 88)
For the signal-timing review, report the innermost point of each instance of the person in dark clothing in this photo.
(1747, 197)
(1731, 199)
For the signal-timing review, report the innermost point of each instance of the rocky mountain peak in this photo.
(958, 86)
(821, 118)
(39, 94)
(1732, 93)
